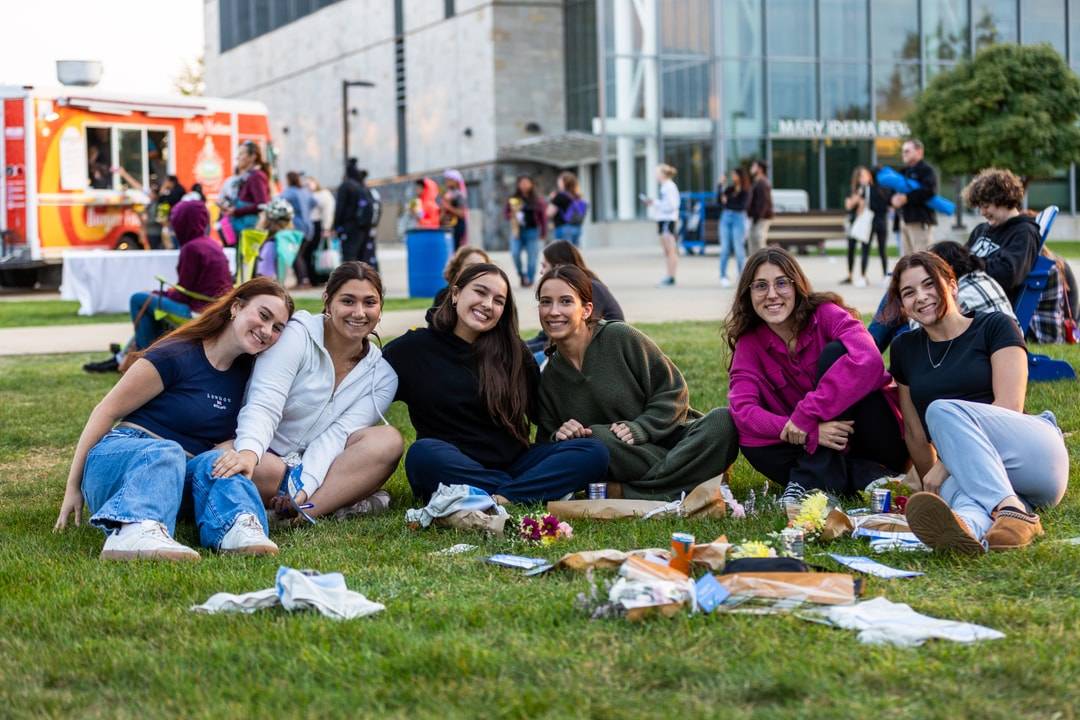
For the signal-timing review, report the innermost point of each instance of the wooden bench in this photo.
(806, 229)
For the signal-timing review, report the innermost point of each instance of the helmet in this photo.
(278, 210)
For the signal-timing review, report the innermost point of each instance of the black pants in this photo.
(874, 448)
(358, 243)
(881, 232)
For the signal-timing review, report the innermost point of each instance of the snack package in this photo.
(821, 588)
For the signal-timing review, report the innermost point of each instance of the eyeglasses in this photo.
(782, 285)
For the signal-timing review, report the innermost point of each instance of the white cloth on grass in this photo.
(880, 621)
(295, 590)
(449, 499)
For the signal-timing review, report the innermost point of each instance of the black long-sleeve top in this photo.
(915, 210)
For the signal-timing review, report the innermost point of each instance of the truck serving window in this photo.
(99, 157)
(139, 155)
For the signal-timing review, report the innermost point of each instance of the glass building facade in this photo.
(815, 87)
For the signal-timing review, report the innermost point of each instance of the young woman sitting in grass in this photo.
(984, 464)
(470, 386)
(608, 381)
(149, 445)
(808, 391)
(318, 396)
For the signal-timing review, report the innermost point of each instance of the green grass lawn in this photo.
(461, 638)
(30, 313)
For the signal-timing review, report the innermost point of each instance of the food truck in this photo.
(80, 162)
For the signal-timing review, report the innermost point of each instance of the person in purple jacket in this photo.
(202, 268)
(809, 394)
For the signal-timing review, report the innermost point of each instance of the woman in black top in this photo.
(984, 464)
(866, 193)
(470, 386)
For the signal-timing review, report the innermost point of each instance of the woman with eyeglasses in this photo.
(809, 394)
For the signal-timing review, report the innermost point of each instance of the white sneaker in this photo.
(247, 537)
(375, 504)
(725, 283)
(860, 282)
(146, 539)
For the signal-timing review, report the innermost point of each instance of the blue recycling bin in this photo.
(428, 250)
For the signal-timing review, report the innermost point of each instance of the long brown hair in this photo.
(217, 316)
(742, 319)
(938, 270)
(253, 149)
(570, 183)
(563, 252)
(500, 356)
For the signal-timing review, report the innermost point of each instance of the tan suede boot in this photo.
(934, 522)
(1013, 529)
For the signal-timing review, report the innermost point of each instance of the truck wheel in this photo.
(128, 241)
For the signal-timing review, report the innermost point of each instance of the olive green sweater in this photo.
(626, 378)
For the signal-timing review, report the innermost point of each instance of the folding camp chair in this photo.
(1041, 368)
(247, 253)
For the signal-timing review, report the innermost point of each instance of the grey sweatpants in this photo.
(992, 453)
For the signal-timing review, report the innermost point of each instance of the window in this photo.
(843, 29)
(685, 28)
(1044, 22)
(448, 8)
(687, 88)
(1074, 33)
(744, 105)
(792, 91)
(945, 26)
(841, 159)
(142, 156)
(795, 165)
(895, 88)
(845, 91)
(789, 26)
(742, 153)
(580, 64)
(741, 21)
(895, 30)
(243, 20)
(693, 157)
(994, 22)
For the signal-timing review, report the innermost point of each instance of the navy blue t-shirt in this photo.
(199, 404)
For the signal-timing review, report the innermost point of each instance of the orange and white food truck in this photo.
(79, 163)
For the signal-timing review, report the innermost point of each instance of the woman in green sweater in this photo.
(609, 381)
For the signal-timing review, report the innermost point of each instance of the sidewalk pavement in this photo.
(630, 273)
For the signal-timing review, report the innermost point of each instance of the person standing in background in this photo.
(253, 188)
(297, 195)
(354, 214)
(567, 209)
(665, 210)
(759, 209)
(527, 213)
(322, 219)
(454, 207)
(866, 194)
(916, 219)
(733, 223)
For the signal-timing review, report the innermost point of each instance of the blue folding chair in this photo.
(1041, 368)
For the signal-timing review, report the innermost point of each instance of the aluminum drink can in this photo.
(681, 543)
(794, 542)
(597, 491)
(880, 500)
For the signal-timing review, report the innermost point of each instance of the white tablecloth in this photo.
(103, 281)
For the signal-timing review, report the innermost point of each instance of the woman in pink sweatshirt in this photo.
(809, 394)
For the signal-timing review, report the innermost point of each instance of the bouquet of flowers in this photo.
(812, 515)
(543, 530)
(753, 549)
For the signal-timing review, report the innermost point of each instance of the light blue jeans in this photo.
(131, 476)
(147, 330)
(570, 233)
(992, 453)
(732, 239)
(529, 239)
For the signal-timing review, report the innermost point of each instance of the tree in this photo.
(1011, 106)
(190, 80)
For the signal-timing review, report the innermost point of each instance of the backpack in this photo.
(368, 207)
(575, 213)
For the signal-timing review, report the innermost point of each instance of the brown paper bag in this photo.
(837, 524)
(705, 501)
(604, 559)
(822, 588)
(885, 522)
(712, 555)
(602, 509)
(474, 520)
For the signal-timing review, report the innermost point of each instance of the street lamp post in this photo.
(345, 85)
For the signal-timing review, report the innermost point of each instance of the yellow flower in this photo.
(812, 514)
(753, 549)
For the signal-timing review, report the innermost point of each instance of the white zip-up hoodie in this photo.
(291, 404)
(667, 205)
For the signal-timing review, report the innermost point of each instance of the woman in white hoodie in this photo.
(308, 428)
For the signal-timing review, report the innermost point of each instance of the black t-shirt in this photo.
(963, 369)
(438, 380)
(562, 201)
(199, 405)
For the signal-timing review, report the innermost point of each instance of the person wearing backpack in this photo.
(567, 209)
(355, 214)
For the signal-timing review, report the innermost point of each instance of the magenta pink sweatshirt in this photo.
(769, 386)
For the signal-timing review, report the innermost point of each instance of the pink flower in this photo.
(565, 531)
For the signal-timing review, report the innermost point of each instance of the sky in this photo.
(143, 44)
